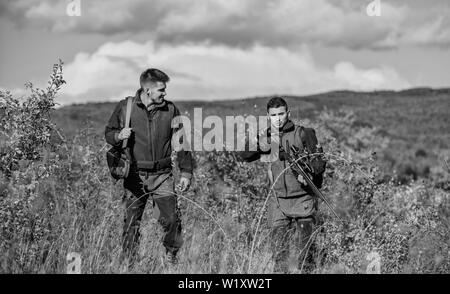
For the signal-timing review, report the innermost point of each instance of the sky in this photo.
(224, 49)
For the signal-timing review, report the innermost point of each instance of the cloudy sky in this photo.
(222, 49)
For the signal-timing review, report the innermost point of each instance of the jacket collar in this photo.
(289, 126)
(139, 102)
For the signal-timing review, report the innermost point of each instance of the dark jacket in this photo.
(150, 141)
(283, 180)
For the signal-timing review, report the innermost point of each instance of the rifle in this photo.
(299, 167)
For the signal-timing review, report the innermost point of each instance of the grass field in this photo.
(388, 178)
(415, 121)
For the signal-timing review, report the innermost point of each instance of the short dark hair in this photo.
(153, 75)
(276, 102)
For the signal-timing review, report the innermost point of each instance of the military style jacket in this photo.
(150, 141)
(282, 179)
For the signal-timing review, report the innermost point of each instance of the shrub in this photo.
(56, 197)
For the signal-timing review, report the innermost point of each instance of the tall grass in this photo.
(56, 197)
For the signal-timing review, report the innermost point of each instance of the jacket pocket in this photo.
(298, 207)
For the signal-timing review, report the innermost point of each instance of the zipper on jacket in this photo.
(285, 167)
(153, 132)
(284, 179)
(148, 132)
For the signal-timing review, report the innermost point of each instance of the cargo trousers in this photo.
(288, 228)
(139, 187)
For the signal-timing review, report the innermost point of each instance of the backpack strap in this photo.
(291, 138)
(127, 119)
(309, 139)
(300, 129)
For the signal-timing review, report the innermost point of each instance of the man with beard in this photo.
(149, 140)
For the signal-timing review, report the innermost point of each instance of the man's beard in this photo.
(158, 100)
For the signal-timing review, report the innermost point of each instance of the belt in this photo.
(156, 165)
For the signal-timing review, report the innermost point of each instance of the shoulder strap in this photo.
(294, 135)
(309, 139)
(301, 129)
(127, 119)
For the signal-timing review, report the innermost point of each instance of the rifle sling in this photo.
(127, 119)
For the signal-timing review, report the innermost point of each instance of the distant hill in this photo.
(418, 116)
(416, 121)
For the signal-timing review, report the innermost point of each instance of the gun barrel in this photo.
(310, 184)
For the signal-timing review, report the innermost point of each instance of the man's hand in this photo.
(124, 134)
(301, 179)
(184, 184)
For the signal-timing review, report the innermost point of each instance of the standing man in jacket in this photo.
(292, 207)
(149, 139)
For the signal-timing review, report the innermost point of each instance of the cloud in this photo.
(209, 71)
(246, 23)
(436, 32)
